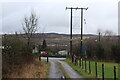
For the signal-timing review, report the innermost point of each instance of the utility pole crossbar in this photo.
(76, 8)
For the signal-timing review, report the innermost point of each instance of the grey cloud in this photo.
(53, 14)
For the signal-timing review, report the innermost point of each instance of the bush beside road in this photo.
(35, 69)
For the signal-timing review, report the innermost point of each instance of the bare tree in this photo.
(108, 33)
(30, 26)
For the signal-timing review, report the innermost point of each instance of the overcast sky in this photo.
(101, 14)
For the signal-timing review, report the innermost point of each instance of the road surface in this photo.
(72, 73)
(55, 72)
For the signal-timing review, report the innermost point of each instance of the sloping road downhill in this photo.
(72, 73)
(55, 72)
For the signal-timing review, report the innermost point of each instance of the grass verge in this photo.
(63, 71)
(78, 69)
(47, 66)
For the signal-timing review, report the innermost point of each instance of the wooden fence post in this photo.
(47, 57)
(114, 73)
(75, 61)
(40, 58)
(102, 71)
(96, 68)
(89, 68)
(82, 64)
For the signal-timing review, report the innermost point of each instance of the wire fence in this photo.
(101, 70)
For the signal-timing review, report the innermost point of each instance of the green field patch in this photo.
(108, 69)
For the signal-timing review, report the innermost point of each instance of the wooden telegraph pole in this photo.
(71, 8)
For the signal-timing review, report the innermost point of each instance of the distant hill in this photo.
(53, 38)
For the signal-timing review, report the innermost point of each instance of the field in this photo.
(108, 69)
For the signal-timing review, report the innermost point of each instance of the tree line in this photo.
(100, 47)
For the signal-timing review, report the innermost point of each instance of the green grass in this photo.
(63, 71)
(108, 69)
(78, 69)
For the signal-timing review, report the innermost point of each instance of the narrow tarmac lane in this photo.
(55, 72)
(72, 73)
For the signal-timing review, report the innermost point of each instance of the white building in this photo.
(63, 52)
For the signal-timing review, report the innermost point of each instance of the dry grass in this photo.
(35, 69)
